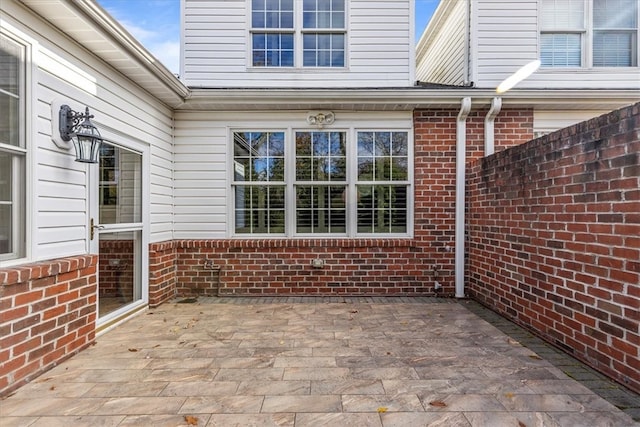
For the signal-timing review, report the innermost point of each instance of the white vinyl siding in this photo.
(546, 121)
(60, 197)
(216, 48)
(507, 36)
(442, 58)
(204, 167)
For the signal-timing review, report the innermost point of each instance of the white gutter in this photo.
(489, 134)
(461, 146)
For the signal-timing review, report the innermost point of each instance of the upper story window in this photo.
(589, 33)
(12, 149)
(310, 183)
(273, 33)
(307, 33)
(323, 33)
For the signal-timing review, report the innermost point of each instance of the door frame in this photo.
(118, 139)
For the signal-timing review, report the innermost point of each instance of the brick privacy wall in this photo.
(554, 239)
(47, 314)
(162, 272)
(352, 267)
(116, 268)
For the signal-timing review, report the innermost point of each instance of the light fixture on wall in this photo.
(320, 118)
(77, 128)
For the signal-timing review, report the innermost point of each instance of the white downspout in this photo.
(461, 146)
(489, 134)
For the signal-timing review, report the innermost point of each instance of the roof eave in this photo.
(218, 99)
(158, 80)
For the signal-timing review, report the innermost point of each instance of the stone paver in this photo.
(320, 362)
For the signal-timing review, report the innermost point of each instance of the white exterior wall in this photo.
(507, 37)
(442, 53)
(545, 121)
(58, 190)
(215, 48)
(203, 159)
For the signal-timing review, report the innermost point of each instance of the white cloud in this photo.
(141, 34)
(168, 52)
(161, 38)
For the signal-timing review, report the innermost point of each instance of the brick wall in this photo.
(554, 239)
(116, 268)
(283, 267)
(47, 314)
(162, 272)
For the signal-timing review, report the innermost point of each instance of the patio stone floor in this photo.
(303, 361)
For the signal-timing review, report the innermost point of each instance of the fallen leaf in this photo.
(156, 346)
(388, 353)
(133, 350)
(521, 424)
(52, 388)
(382, 409)
(508, 395)
(535, 356)
(192, 421)
(438, 404)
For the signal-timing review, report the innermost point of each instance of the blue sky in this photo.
(156, 24)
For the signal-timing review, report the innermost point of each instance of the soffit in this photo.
(89, 25)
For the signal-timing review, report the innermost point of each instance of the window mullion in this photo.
(587, 40)
(352, 177)
(297, 38)
(290, 178)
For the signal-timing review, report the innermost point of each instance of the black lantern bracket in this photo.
(69, 120)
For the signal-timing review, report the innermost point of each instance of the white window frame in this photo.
(351, 183)
(298, 32)
(21, 181)
(586, 39)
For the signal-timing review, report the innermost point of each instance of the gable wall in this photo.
(442, 55)
(216, 49)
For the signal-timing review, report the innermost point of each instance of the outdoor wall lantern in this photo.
(77, 128)
(320, 118)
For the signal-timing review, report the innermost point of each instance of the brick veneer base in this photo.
(47, 314)
(284, 267)
(162, 272)
(554, 239)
